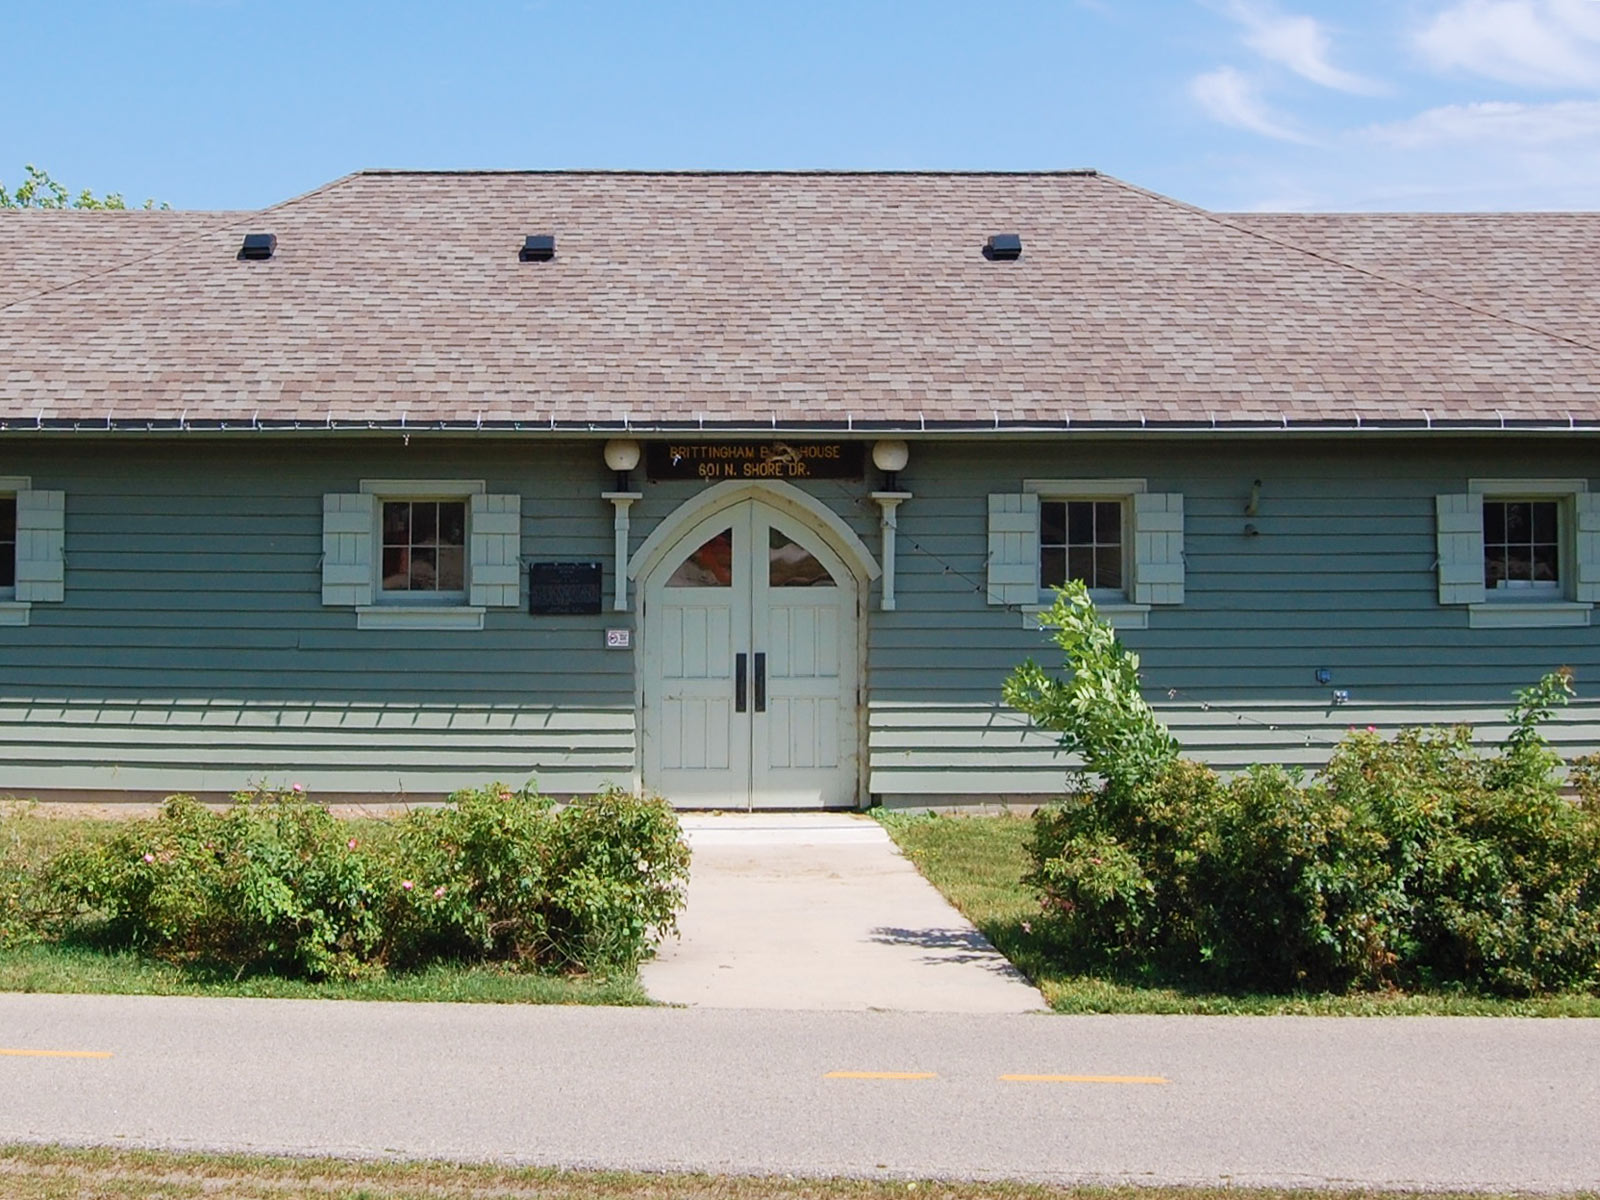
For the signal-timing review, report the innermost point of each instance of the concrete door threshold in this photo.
(822, 911)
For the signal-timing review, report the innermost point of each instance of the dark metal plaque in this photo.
(716, 461)
(556, 588)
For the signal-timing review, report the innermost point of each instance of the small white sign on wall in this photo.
(619, 639)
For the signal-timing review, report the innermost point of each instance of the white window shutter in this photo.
(41, 535)
(348, 519)
(494, 572)
(1586, 540)
(1013, 548)
(1157, 548)
(1461, 548)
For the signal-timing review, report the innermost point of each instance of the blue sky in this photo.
(1230, 104)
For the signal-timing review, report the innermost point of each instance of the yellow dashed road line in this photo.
(1084, 1079)
(55, 1053)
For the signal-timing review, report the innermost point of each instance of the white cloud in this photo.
(1518, 125)
(1536, 43)
(1299, 43)
(1227, 96)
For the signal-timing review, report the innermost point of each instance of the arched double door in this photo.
(749, 670)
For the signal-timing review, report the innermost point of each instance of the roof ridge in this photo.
(1224, 220)
(231, 217)
(690, 172)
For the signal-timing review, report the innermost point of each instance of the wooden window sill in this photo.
(463, 617)
(1527, 614)
(1118, 615)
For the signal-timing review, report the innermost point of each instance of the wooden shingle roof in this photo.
(790, 300)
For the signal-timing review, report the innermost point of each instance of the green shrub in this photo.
(509, 876)
(276, 884)
(269, 884)
(1413, 861)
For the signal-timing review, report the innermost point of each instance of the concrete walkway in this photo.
(822, 911)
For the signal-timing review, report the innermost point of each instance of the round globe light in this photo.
(890, 455)
(622, 454)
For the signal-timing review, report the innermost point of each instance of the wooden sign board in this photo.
(717, 461)
(563, 588)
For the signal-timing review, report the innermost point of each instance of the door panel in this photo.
(751, 582)
(696, 747)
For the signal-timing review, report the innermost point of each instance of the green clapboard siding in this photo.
(1340, 575)
(192, 651)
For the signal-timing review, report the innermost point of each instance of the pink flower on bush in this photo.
(438, 892)
(407, 885)
(150, 858)
(351, 844)
(297, 788)
(1372, 729)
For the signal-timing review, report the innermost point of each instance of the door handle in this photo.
(761, 682)
(739, 682)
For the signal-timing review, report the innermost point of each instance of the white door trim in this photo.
(784, 497)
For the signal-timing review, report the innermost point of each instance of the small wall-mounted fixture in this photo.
(1251, 531)
(257, 247)
(1003, 247)
(1324, 676)
(537, 247)
(622, 456)
(890, 456)
(1255, 499)
(1340, 696)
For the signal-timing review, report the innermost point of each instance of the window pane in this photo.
(1544, 522)
(424, 570)
(789, 564)
(1080, 522)
(1080, 564)
(396, 523)
(1108, 522)
(1494, 521)
(396, 568)
(1052, 523)
(452, 569)
(424, 524)
(8, 541)
(1108, 566)
(453, 523)
(1519, 523)
(709, 566)
(1545, 563)
(1052, 566)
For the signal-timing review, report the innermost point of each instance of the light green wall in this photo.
(193, 652)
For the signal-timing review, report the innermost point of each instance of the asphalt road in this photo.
(1419, 1103)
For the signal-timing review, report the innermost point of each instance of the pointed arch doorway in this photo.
(750, 657)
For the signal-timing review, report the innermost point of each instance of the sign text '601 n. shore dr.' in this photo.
(715, 461)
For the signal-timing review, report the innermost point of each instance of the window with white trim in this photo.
(1124, 542)
(424, 551)
(8, 546)
(32, 542)
(1520, 552)
(1082, 539)
(421, 554)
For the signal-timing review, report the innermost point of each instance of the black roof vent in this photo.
(1003, 247)
(257, 246)
(537, 247)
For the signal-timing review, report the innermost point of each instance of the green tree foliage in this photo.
(39, 190)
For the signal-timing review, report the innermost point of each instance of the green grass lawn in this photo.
(32, 839)
(978, 863)
(51, 1173)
